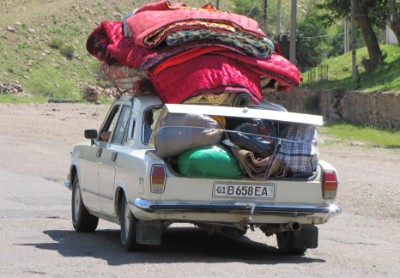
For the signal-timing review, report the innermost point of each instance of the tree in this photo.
(310, 46)
(371, 41)
(366, 16)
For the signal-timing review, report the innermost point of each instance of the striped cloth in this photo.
(299, 151)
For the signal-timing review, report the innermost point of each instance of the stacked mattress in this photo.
(188, 53)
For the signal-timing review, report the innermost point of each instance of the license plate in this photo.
(244, 191)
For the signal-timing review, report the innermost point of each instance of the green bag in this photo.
(209, 162)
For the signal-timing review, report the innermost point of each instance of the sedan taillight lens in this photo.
(158, 178)
(329, 185)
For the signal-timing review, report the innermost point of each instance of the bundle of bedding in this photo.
(188, 52)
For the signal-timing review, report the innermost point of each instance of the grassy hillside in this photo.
(337, 72)
(43, 44)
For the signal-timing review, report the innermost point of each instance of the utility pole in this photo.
(353, 40)
(265, 6)
(345, 35)
(293, 27)
(217, 4)
(278, 17)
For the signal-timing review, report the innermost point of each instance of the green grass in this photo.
(366, 135)
(48, 81)
(384, 79)
(47, 53)
(22, 99)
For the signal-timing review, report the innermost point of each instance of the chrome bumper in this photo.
(325, 211)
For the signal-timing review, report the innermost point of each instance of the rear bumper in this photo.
(324, 212)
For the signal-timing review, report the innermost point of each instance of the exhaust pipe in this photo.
(293, 226)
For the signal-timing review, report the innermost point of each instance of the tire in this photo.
(82, 220)
(128, 227)
(287, 244)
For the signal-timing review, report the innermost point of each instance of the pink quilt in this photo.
(276, 67)
(206, 74)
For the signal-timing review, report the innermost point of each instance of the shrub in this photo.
(56, 43)
(68, 51)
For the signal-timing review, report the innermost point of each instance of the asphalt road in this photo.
(37, 237)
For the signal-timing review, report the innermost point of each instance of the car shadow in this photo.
(182, 244)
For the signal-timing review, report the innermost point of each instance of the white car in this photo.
(118, 176)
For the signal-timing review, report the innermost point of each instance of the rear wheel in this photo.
(82, 220)
(297, 242)
(287, 244)
(128, 227)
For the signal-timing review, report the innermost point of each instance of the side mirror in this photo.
(91, 134)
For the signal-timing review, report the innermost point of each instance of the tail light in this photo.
(329, 185)
(158, 177)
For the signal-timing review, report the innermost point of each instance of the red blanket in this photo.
(105, 35)
(206, 74)
(277, 67)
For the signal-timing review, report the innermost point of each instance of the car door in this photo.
(108, 158)
(93, 155)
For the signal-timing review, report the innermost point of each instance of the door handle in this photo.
(98, 153)
(114, 156)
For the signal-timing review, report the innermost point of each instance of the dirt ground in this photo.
(37, 238)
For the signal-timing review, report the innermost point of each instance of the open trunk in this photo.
(203, 141)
